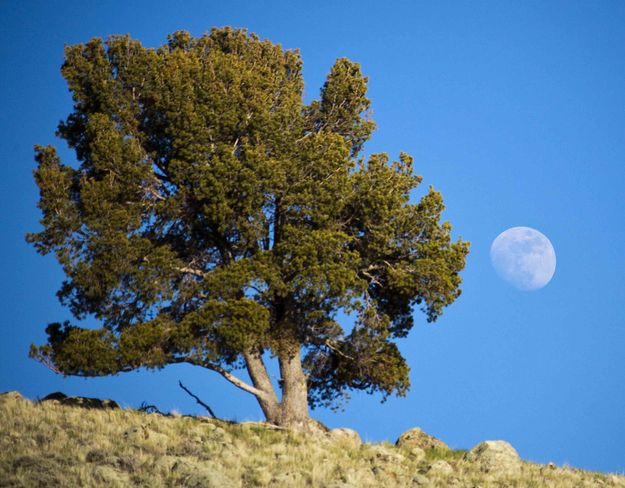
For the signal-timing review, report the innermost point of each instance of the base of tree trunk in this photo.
(307, 426)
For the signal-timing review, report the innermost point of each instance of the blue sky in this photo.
(515, 111)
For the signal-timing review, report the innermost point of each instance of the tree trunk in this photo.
(258, 373)
(292, 410)
(294, 404)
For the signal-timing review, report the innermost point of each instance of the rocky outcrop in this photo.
(381, 454)
(417, 438)
(11, 395)
(494, 456)
(441, 467)
(78, 401)
(348, 435)
(48, 444)
(416, 453)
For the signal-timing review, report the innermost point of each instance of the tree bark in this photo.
(294, 404)
(292, 410)
(258, 373)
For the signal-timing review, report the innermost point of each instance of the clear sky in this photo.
(515, 111)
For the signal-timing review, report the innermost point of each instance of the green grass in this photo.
(52, 445)
(449, 455)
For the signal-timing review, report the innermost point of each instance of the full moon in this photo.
(523, 257)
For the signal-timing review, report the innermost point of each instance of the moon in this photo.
(523, 257)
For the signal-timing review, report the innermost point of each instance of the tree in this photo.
(212, 218)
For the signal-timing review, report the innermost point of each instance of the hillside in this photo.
(49, 444)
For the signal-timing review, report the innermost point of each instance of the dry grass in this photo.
(52, 445)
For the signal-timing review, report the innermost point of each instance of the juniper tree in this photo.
(213, 218)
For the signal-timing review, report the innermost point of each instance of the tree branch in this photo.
(337, 350)
(193, 271)
(371, 277)
(258, 372)
(197, 399)
(231, 378)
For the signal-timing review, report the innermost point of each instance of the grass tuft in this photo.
(47, 444)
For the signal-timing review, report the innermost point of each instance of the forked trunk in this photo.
(292, 410)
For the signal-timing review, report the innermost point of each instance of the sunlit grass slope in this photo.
(48, 444)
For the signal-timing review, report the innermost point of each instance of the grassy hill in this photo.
(48, 444)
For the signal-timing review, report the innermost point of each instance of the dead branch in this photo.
(151, 409)
(337, 350)
(197, 399)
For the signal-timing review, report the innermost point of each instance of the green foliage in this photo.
(212, 213)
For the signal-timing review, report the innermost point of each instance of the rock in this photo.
(417, 438)
(315, 427)
(494, 456)
(441, 467)
(219, 434)
(13, 398)
(78, 401)
(11, 395)
(136, 434)
(378, 454)
(348, 434)
(207, 478)
(420, 480)
(57, 395)
(416, 454)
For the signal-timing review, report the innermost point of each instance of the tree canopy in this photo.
(213, 217)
